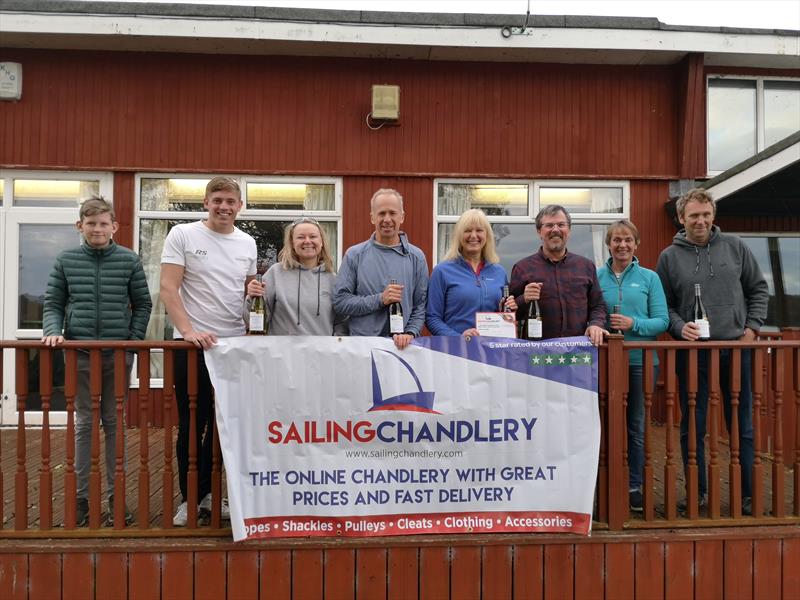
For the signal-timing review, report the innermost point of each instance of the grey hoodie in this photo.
(734, 290)
(299, 302)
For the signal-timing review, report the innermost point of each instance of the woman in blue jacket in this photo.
(637, 307)
(468, 280)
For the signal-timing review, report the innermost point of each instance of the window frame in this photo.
(534, 187)
(759, 116)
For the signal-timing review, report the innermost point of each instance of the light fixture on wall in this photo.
(385, 106)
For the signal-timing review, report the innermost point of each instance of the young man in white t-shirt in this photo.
(205, 268)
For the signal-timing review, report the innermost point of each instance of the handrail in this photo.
(776, 406)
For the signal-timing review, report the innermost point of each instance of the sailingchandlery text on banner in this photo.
(325, 436)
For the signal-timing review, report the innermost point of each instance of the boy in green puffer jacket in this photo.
(97, 291)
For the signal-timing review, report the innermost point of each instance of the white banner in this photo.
(325, 436)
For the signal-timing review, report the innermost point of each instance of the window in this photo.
(270, 203)
(511, 207)
(747, 115)
(778, 256)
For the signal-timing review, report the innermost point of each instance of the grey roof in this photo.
(753, 160)
(363, 17)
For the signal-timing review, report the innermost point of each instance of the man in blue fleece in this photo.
(735, 297)
(363, 288)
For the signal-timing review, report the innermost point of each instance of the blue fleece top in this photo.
(366, 270)
(642, 297)
(456, 293)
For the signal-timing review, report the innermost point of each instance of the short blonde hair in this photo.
(288, 257)
(473, 217)
(223, 183)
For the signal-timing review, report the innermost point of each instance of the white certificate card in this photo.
(496, 324)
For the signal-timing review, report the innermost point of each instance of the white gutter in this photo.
(757, 172)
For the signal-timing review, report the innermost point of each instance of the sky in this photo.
(764, 14)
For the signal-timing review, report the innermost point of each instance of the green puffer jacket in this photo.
(97, 294)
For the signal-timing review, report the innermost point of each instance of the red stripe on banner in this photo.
(416, 524)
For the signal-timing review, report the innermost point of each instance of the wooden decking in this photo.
(156, 464)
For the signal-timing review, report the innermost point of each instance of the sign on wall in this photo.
(325, 436)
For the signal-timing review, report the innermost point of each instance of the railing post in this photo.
(70, 478)
(692, 484)
(2, 494)
(168, 395)
(45, 473)
(670, 468)
(648, 385)
(617, 384)
(144, 439)
(120, 393)
(734, 469)
(712, 426)
(21, 475)
(758, 468)
(191, 475)
(778, 505)
(796, 382)
(95, 393)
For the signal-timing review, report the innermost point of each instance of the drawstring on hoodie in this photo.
(708, 257)
(319, 287)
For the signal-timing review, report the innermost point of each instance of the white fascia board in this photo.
(757, 172)
(644, 40)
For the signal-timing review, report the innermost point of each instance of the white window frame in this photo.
(534, 187)
(759, 116)
(256, 214)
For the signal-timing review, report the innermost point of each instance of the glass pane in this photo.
(173, 194)
(38, 247)
(515, 241)
(34, 400)
(600, 200)
(291, 196)
(759, 246)
(781, 110)
(494, 199)
(2, 190)
(731, 122)
(53, 192)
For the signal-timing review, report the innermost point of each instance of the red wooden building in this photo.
(611, 117)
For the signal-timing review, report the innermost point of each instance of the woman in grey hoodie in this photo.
(298, 288)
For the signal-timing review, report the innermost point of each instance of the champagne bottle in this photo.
(396, 324)
(256, 325)
(533, 325)
(700, 315)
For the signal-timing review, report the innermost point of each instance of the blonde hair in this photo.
(96, 205)
(223, 183)
(288, 257)
(472, 218)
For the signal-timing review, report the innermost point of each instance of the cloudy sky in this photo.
(768, 14)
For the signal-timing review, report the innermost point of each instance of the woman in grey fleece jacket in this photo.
(298, 289)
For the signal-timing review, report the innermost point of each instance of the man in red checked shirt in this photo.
(565, 284)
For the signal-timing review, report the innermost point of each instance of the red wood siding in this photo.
(274, 114)
(748, 563)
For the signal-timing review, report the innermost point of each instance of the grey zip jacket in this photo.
(733, 289)
(300, 302)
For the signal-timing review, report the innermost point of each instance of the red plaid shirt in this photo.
(571, 298)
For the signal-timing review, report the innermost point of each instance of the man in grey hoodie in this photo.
(735, 296)
(381, 271)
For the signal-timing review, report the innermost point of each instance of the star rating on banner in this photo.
(568, 359)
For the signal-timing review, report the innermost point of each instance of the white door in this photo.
(34, 227)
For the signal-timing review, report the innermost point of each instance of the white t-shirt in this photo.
(215, 268)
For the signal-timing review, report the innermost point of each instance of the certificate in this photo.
(496, 324)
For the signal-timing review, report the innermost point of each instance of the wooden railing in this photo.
(45, 456)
